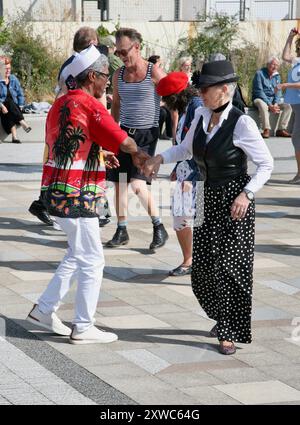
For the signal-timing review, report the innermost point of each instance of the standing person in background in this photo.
(114, 64)
(164, 113)
(73, 181)
(292, 94)
(11, 102)
(136, 106)
(266, 100)
(220, 140)
(184, 98)
(184, 64)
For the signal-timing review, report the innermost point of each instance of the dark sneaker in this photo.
(37, 209)
(103, 221)
(16, 141)
(160, 236)
(119, 238)
(283, 133)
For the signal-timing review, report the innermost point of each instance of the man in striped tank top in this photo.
(136, 105)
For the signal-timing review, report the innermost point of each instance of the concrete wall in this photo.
(56, 10)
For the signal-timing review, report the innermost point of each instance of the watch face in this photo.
(250, 196)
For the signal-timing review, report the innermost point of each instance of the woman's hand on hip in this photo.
(239, 206)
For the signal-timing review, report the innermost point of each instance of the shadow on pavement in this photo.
(279, 249)
(155, 336)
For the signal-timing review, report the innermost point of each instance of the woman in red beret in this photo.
(179, 96)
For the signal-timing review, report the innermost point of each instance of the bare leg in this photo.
(24, 124)
(139, 187)
(14, 132)
(185, 239)
(121, 200)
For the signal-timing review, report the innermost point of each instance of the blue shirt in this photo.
(263, 87)
(292, 96)
(15, 90)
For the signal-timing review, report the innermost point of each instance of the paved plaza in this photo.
(164, 354)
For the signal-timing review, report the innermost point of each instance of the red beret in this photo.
(173, 83)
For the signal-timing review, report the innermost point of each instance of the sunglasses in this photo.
(123, 52)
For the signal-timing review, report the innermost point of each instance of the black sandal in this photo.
(180, 271)
(28, 129)
(16, 141)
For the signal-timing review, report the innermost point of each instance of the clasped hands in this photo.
(140, 159)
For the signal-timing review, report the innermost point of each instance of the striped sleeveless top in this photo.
(139, 102)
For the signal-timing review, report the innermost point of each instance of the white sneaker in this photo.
(48, 321)
(92, 335)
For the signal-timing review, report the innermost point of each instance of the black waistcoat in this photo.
(219, 161)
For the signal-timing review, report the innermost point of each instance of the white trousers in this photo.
(84, 260)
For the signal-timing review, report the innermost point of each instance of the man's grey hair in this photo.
(99, 65)
(271, 58)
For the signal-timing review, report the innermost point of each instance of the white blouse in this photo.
(246, 136)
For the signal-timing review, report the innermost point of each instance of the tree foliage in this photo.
(215, 36)
(33, 62)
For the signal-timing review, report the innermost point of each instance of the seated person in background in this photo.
(164, 113)
(11, 100)
(266, 100)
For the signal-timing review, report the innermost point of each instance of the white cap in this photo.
(82, 61)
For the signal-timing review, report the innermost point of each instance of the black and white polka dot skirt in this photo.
(223, 253)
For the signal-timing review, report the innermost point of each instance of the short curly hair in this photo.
(178, 102)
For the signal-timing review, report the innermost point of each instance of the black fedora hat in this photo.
(217, 72)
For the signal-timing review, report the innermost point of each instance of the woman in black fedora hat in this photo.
(221, 139)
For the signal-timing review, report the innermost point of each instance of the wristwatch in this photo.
(249, 194)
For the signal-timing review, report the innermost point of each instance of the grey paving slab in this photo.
(294, 282)
(145, 360)
(209, 395)
(163, 355)
(186, 354)
(280, 286)
(240, 375)
(260, 392)
(269, 313)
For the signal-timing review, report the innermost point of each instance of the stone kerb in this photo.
(274, 119)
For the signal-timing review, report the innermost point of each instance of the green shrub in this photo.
(33, 62)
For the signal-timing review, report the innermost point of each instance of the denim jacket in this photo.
(15, 89)
(263, 87)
